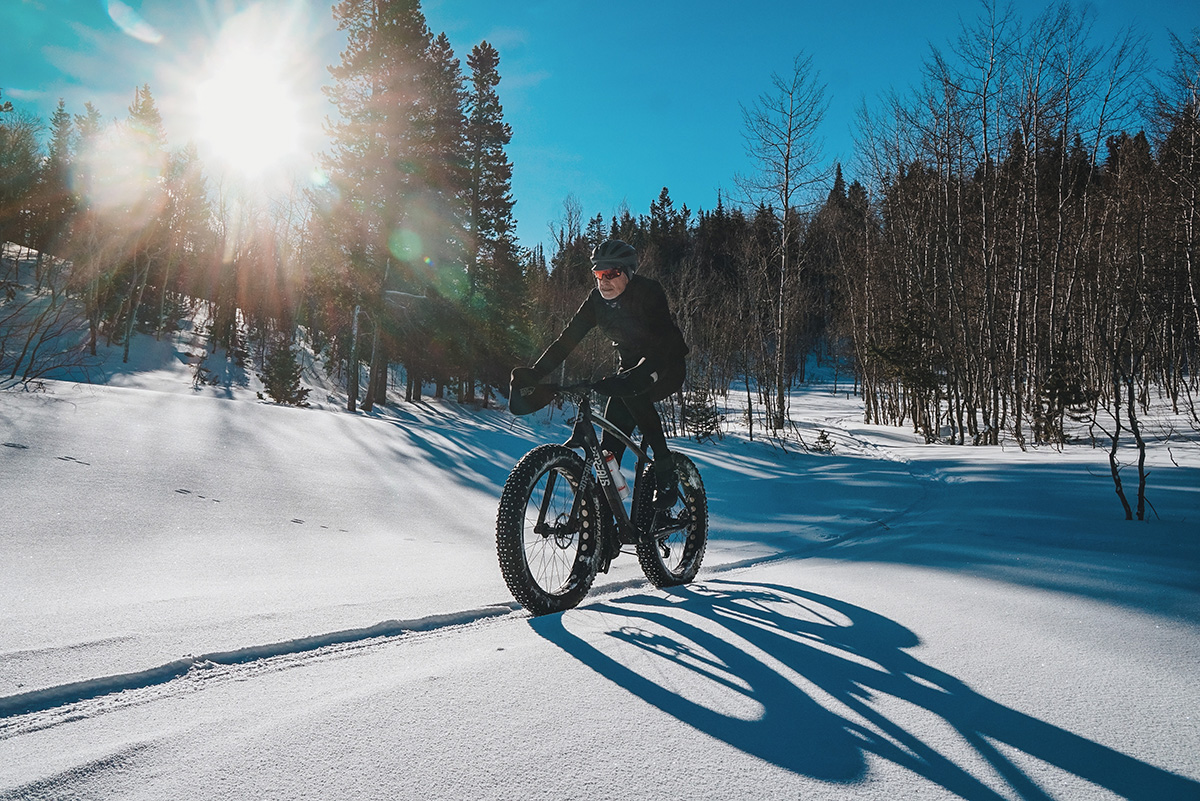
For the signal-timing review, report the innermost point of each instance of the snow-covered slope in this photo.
(202, 593)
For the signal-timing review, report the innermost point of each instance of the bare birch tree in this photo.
(781, 138)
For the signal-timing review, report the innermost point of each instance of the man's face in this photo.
(611, 283)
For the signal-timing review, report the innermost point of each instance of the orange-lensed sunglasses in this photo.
(606, 275)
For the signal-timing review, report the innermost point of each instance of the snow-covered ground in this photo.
(204, 595)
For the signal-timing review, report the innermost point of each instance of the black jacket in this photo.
(638, 321)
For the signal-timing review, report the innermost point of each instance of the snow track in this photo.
(67, 694)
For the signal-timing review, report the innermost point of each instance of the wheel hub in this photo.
(562, 530)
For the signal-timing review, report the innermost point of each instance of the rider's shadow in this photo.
(818, 671)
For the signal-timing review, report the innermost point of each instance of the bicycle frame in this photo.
(583, 436)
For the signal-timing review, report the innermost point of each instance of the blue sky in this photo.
(609, 102)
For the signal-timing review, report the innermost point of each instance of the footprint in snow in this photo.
(16, 445)
(73, 459)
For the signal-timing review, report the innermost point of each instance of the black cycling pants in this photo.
(628, 412)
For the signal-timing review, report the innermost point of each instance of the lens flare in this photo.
(405, 245)
(132, 23)
(121, 171)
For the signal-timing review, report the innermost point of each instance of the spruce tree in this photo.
(281, 375)
(495, 274)
(395, 167)
(85, 249)
(55, 206)
(19, 159)
(699, 415)
(145, 136)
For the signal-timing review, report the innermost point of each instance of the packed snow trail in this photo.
(52, 697)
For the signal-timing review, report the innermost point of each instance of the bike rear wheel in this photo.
(673, 557)
(546, 531)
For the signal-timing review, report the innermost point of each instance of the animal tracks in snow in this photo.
(300, 522)
(20, 446)
(198, 495)
(295, 520)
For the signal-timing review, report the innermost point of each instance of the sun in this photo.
(248, 104)
(248, 114)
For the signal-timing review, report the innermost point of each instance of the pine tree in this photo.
(145, 227)
(381, 164)
(189, 234)
(85, 249)
(376, 158)
(699, 415)
(438, 352)
(494, 264)
(55, 204)
(19, 159)
(281, 375)
(447, 170)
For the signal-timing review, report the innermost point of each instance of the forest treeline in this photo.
(1016, 245)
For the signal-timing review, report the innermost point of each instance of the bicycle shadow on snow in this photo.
(816, 670)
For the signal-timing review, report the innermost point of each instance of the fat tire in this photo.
(552, 573)
(687, 546)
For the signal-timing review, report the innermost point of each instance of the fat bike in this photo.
(562, 517)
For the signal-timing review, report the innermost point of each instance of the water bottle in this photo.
(618, 478)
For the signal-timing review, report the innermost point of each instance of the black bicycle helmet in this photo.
(615, 254)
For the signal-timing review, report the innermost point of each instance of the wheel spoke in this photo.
(551, 543)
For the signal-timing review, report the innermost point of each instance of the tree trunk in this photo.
(373, 373)
(1113, 464)
(135, 303)
(352, 366)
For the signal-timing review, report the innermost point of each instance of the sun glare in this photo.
(248, 105)
(248, 113)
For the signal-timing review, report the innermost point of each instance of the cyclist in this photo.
(632, 311)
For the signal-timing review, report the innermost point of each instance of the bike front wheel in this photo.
(673, 556)
(546, 531)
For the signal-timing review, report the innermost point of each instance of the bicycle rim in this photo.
(674, 558)
(546, 531)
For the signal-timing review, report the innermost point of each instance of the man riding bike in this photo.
(632, 311)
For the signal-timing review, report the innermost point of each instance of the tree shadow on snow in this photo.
(1056, 527)
(821, 671)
